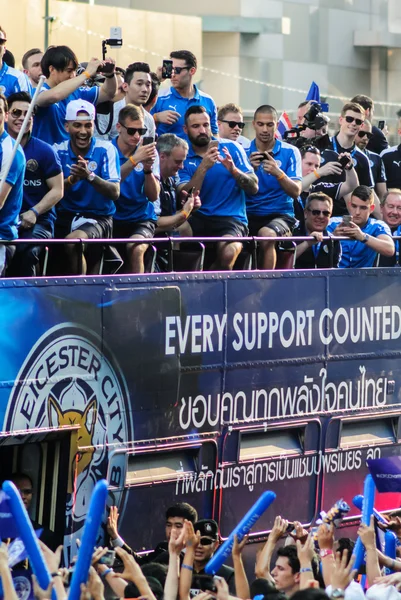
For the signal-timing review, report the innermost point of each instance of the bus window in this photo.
(281, 457)
(368, 432)
(159, 466)
(272, 443)
(349, 443)
(174, 474)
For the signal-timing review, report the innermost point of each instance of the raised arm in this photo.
(65, 88)
(241, 581)
(262, 567)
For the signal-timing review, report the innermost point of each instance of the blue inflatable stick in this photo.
(390, 545)
(28, 536)
(92, 524)
(240, 531)
(367, 510)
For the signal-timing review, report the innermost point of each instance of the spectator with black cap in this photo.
(201, 542)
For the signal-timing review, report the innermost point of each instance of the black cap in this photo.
(207, 527)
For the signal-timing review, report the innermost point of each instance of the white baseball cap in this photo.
(76, 106)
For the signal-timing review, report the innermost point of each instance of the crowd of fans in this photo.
(292, 563)
(113, 152)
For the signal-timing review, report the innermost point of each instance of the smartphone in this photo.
(191, 192)
(205, 583)
(290, 527)
(381, 125)
(106, 68)
(347, 220)
(108, 559)
(214, 144)
(167, 69)
(147, 140)
(344, 161)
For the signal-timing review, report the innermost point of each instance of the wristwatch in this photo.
(91, 176)
(365, 238)
(337, 593)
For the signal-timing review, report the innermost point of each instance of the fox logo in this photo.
(86, 419)
(74, 380)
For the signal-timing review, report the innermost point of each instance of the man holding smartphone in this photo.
(222, 173)
(277, 165)
(173, 102)
(367, 236)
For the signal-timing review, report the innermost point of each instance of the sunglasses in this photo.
(17, 112)
(134, 130)
(205, 541)
(352, 119)
(316, 213)
(177, 70)
(233, 124)
(368, 134)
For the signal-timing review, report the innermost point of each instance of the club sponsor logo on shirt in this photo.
(279, 163)
(92, 165)
(32, 165)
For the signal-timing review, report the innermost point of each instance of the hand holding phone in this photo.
(167, 69)
(347, 220)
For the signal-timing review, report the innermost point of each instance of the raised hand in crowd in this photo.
(5, 575)
(241, 580)
(343, 572)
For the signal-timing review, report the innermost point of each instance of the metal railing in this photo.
(172, 247)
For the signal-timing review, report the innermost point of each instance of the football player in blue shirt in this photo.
(368, 236)
(91, 182)
(391, 214)
(59, 64)
(135, 215)
(43, 187)
(222, 173)
(173, 102)
(11, 80)
(11, 192)
(277, 165)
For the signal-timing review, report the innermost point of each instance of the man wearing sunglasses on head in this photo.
(316, 253)
(173, 102)
(376, 163)
(231, 124)
(43, 188)
(135, 215)
(351, 120)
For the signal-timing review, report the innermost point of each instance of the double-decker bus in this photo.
(207, 388)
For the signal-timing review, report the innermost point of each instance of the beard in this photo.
(201, 140)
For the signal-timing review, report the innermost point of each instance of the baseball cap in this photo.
(76, 106)
(207, 527)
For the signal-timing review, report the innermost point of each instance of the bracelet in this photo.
(56, 574)
(305, 570)
(186, 215)
(106, 572)
(109, 76)
(281, 176)
(70, 180)
(147, 172)
(155, 118)
(316, 174)
(326, 552)
(87, 75)
(35, 212)
(187, 567)
(133, 161)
